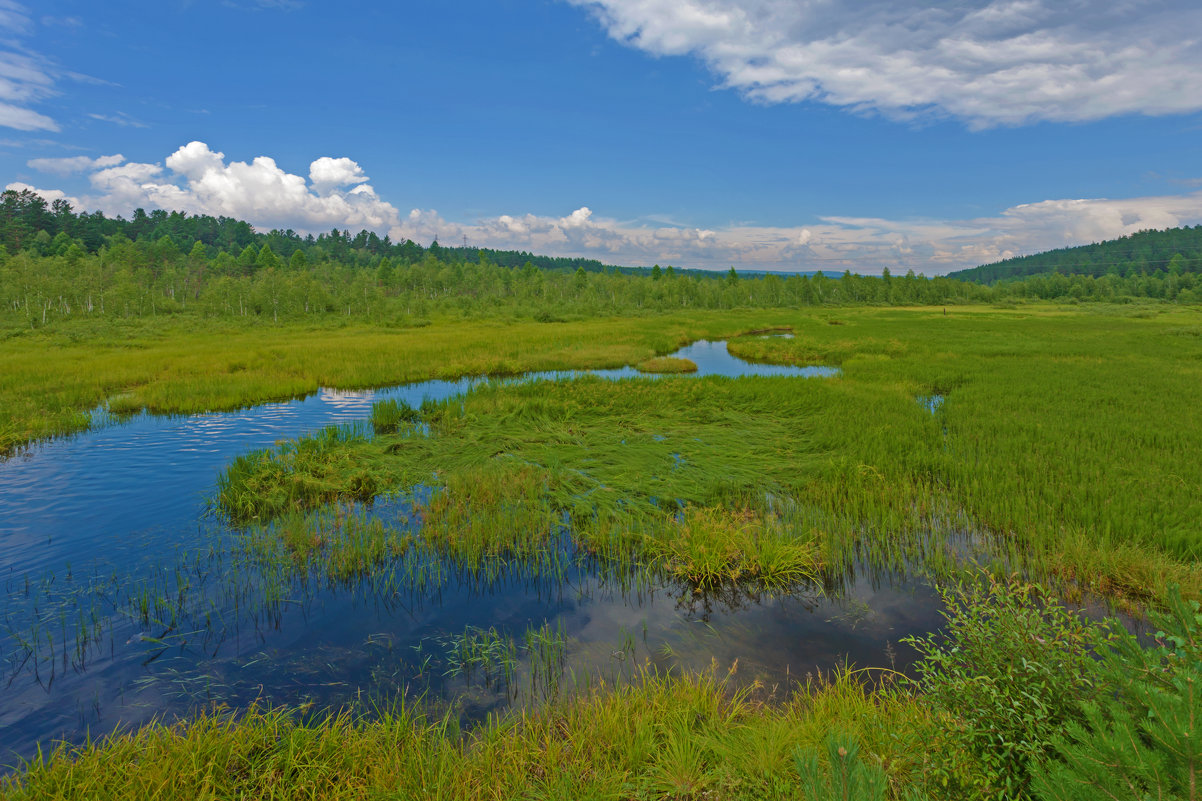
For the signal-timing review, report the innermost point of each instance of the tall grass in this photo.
(51, 381)
(1065, 446)
(656, 738)
(1024, 451)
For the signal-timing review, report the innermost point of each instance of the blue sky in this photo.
(764, 134)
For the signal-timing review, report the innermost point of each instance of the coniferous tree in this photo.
(1141, 740)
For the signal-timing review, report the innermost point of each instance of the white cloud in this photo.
(197, 179)
(261, 5)
(988, 62)
(326, 173)
(119, 118)
(14, 17)
(50, 195)
(932, 247)
(24, 119)
(129, 177)
(25, 78)
(66, 166)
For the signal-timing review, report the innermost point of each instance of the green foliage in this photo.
(1141, 739)
(656, 738)
(1009, 672)
(387, 416)
(1173, 250)
(847, 777)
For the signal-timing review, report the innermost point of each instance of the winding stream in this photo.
(86, 520)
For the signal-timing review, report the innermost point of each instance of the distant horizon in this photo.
(698, 133)
(784, 271)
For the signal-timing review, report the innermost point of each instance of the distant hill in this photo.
(1170, 250)
(788, 273)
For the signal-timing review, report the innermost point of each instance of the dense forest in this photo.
(56, 264)
(1173, 251)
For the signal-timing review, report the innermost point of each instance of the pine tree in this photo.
(1142, 740)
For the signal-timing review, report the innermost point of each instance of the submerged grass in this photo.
(667, 364)
(341, 544)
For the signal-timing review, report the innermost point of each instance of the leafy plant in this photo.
(1140, 740)
(1009, 672)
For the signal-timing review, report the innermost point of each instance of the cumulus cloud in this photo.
(988, 62)
(859, 244)
(199, 180)
(337, 194)
(327, 173)
(50, 195)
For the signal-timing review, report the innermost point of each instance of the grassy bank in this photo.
(1020, 698)
(662, 738)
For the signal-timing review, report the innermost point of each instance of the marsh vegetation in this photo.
(685, 510)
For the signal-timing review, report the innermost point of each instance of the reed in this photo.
(1064, 448)
(1020, 451)
(655, 736)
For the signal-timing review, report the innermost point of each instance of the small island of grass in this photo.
(667, 364)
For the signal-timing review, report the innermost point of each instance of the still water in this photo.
(89, 522)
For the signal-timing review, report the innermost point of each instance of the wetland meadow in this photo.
(816, 552)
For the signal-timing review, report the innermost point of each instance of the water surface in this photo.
(89, 521)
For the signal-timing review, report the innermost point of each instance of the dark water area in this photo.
(97, 526)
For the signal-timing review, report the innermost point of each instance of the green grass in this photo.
(513, 464)
(1068, 435)
(51, 380)
(1065, 443)
(1065, 448)
(341, 545)
(657, 738)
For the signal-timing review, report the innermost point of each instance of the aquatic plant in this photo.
(388, 415)
(639, 740)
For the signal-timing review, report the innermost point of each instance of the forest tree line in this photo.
(1173, 251)
(80, 271)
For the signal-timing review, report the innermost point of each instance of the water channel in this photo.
(86, 520)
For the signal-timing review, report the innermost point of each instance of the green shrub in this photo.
(1008, 672)
(1140, 740)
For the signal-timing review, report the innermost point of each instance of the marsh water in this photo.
(95, 526)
